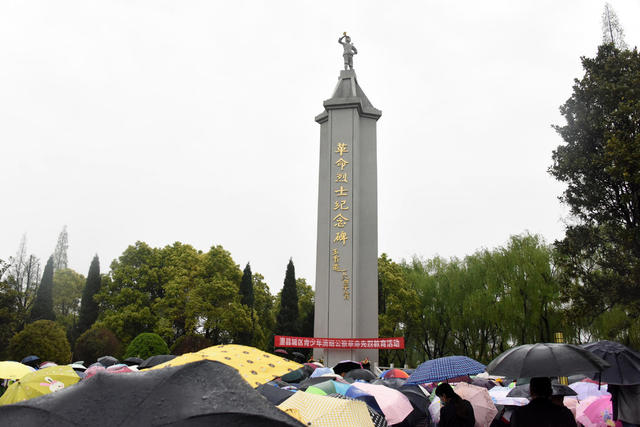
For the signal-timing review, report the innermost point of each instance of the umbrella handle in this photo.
(599, 379)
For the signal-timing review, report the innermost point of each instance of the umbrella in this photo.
(345, 366)
(324, 411)
(445, 368)
(546, 360)
(320, 372)
(43, 381)
(557, 390)
(483, 382)
(596, 412)
(483, 408)
(395, 373)
(625, 363)
(273, 394)
(585, 389)
(377, 419)
(396, 383)
(156, 360)
(14, 370)
(107, 361)
(298, 357)
(195, 394)
(298, 375)
(255, 366)
(47, 364)
(319, 380)
(420, 401)
(130, 361)
(281, 352)
(360, 374)
(315, 390)
(92, 370)
(31, 361)
(499, 397)
(395, 406)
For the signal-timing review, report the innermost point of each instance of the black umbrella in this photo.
(156, 360)
(273, 394)
(32, 361)
(107, 361)
(298, 375)
(483, 382)
(391, 382)
(194, 394)
(298, 357)
(130, 361)
(360, 374)
(346, 366)
(546, 360)
(420, 415)
(625, 363)
(557, 390)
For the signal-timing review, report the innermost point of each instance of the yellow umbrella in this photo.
(40, 382)
(255, 366)
(326, 411)
(14, 370)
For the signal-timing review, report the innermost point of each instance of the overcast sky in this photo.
(192, 121)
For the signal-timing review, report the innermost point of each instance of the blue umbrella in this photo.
(445, 368)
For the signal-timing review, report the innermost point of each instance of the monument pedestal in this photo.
(346, 287)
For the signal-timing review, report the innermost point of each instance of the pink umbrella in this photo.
(596, 412)
(394, 405)
(119, 369)
(92, 370)
(483, 407)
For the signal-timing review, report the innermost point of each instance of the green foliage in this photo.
(306, 307)
(67, 290)
(190, 344)
(247, 299)
(264, 314)
(146, 345)
(600, 164)
(45, 339)
(478, 306)
(174, 291)
(287, 320)
(88, 304)
(95, 343)
(43, 304)
(8, 313)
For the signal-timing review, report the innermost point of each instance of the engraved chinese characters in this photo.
(341, 215)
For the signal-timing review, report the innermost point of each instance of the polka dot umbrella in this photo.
(255, 366)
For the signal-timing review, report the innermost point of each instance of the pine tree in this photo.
(246, 287)
(287, 321)
(88, 306)
(60, 260)
(247, 298)
(43, 304)
(612, 31)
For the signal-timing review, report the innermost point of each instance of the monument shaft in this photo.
(346, 298)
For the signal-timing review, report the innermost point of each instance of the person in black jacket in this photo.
(456, 411)
(541, 411)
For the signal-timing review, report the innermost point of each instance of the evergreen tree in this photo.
(60, 260)
(246, 287)
(287, 321)
(43, 304)
(246, 298)
(612, 31)
(88, 306)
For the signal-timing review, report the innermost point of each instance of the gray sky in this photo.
(192, 121)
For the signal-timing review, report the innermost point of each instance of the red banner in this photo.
(342, 343)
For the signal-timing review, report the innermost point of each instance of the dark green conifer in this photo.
(246, 287)
(43, 304)
(287, 321)
(88, 306)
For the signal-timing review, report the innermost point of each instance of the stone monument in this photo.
(346, 296)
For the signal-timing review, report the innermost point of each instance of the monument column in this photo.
(346, 296)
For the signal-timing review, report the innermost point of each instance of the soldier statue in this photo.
(349, 51)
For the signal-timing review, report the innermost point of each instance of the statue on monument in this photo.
(349, 51)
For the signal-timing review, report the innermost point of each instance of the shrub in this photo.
(97, 342)
(190, 344)
(44, 338)
(146, 345)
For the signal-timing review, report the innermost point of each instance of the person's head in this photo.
(445, 392)
(347, 39)
(540, 387)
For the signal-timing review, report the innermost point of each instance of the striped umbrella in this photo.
(445, 368)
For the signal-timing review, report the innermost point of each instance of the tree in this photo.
(95, 343)
(287, 320)
(22, 276)
(600, 163)
(43, 338)
(612, 31)
(88, 305)
(146, 345)
(60, 260)
(8, 311)
(43, 304)
(247, 298)
(67, 291)
(190, 344)
(264, 312)
(306, 307)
